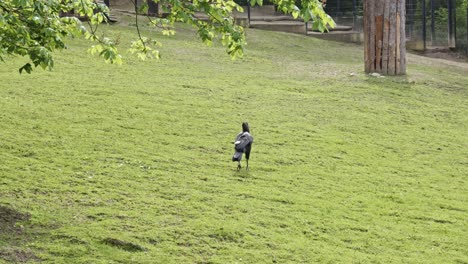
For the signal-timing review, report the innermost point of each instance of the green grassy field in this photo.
(131, 164)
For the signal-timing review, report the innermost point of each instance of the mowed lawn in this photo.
(132, 164)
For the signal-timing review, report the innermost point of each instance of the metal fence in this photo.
(438, 23)
(346, 12)
(429, 23)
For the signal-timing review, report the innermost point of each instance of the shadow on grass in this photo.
(13, 236)
(241, 175)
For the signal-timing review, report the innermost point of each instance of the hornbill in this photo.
(243, 144)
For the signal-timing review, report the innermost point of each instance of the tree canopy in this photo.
(36, 28)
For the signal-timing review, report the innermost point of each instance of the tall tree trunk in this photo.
(384, 36)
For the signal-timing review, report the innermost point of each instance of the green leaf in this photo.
(20, 3)
(321, 28)
(144, 8)
(38, 20)
(27, 67)
(168, 32)
(295, 14)
(100, 17)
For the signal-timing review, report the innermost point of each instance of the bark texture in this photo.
(384, 37)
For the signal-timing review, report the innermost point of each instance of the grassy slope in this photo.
(344, 168)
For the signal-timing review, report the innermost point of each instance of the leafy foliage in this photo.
(37, 28)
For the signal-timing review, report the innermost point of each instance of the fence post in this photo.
(410, 19)
(248, 12)
(433, 35)
(152, 8)
(337, 8)
(354, 15)
(451, 36)
(424, 23)
(455, 23)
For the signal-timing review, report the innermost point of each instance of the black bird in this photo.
(243, 144)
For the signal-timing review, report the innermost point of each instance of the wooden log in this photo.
(371, 20)
(365, 28)
(384, 36)
(392, 39)
(402, 12)
(378, 34)
(397, 44)
(386, 31)
(369, 31)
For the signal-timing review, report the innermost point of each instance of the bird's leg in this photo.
(239, 166)
(247, 167)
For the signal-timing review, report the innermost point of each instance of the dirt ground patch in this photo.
(14, 235)
(18, 255)
(8, 219)
(446, 54)
(445, 57)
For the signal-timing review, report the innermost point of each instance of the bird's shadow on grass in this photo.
(242, 175)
